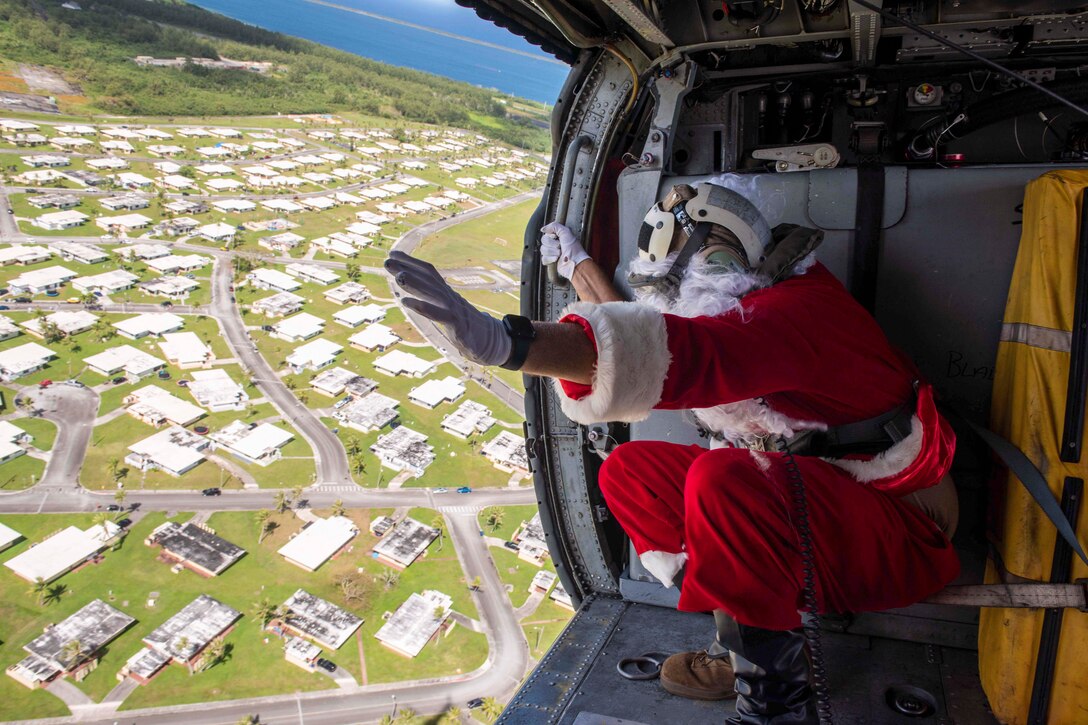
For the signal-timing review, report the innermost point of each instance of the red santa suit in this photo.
(800, 354)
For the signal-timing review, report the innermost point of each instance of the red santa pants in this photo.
(730, 511)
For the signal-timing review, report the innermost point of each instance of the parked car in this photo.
(210, 492)
(183, 383)
(23, 300)
(464, 489)
(4, 307)
(475, 703)
(98, 293)
(511, 545)
(267, 328)
(45, 383)
(124, 523)
(342, 402)
(118, 380)
(113, 507)
(72, 301)
(74, 384)
(326, 665)
(442, 489)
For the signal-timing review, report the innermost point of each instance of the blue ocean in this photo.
(437, 36)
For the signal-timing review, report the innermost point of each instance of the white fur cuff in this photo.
(663, 565)
(891, 462)
(632, 362)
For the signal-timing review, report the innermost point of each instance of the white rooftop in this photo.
(26, 356)
(185, 348)
(150, 323)
(314, 354)
(164, 451)
(275, 279)
(375, 335)
(216, 389)
(313, 546)
(414, 622)
(254, 443)
(301, 326)
(154, 402)
(61, 551)
(398, 361)
(124, 357)
(357, 314)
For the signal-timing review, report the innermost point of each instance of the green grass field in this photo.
(44, 431)
(22, 472)
(128, 575)
(476, 242)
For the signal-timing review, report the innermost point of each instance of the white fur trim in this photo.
(632, 362)
(889, 463)
(746, 421)
(663, 565)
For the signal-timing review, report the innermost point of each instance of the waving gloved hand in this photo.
(479, 336)
(558, 244)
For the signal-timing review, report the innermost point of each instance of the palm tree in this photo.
(405, 716)
(119, 497)
(338, 508)
(114, 467)
(452, 716)
(439, 523)
(296, 493)
(261, 517)
(39, 588)
(354, 446)
(358, 464)
(389, 578)
(214, 653)
(386, 720)
(71, 653)
(494, 518)
(100, 519)
(491, 708)
(264, 612)
(281, 502)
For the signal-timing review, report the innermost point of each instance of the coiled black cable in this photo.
(811, 624)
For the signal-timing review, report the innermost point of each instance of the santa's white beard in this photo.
(705, 289)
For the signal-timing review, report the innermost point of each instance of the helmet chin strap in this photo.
(669, 283)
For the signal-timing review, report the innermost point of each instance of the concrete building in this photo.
(185, 206)
(135, 364)
(175, 451)
(57, 220)
(314, 355)
(123, 224)
(358, 314)
(8, 329)
(217, 232)
(234, 206)
(176, 263)
(405, 543)
(415, 622)
(272, 279)
(469, 419)
(37, 281)
(258, 444)
(283, 242)
(316, 619)
(142, 251)
(403, 449)
(336, 381)
(177, 288)
(301, 653)
(179, 226)
(155, 406)
(149, 323)
(506, 452)
(62, 552)
(319, 541)
(435, 392)
(70, 322)
(55, 201)
(195, 546)
(371, 412)
(215, 390)
(51, 654)
(300, 327)
(125, 202)
(374, 337)
(116, 280)
(278, 305)
(312, 273)
(23, 360)
(399, 362)
(186, 350)
(82, 253)
(542, 581)
(188, 633)
(334, 247)
(532, 544)
(348, 292)
(23, 254)
(8, 537)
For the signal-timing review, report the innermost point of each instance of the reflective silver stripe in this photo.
(1046, 338)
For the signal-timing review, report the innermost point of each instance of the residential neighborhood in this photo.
(232, 464)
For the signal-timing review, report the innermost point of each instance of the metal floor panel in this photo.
(577, 682)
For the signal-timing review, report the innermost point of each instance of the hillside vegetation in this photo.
(94, 47)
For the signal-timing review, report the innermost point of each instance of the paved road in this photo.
(73, 410)
(329, 453)
(506, 662)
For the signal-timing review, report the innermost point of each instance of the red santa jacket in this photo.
(801, 354)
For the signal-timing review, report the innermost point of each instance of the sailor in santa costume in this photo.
(788, 376)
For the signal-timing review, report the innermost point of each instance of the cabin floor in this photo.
(577, 682)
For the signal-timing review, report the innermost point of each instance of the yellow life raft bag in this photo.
(1032, 384)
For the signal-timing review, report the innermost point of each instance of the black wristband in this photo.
(522, 333)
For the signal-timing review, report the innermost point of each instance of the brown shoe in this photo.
(698, 676)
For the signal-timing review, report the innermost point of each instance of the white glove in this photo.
(559, 245)
(479, 336)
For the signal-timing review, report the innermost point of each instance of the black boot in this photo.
(772, 677)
